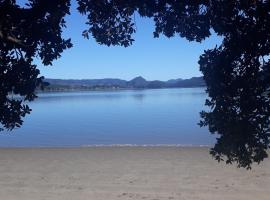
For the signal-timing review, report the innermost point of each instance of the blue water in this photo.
(137, 117)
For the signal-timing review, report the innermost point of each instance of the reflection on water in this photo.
(161, 116)
(138, 97)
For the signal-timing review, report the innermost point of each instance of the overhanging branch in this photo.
(12, 39)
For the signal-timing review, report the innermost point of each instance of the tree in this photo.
(24, 34)
(236, 72)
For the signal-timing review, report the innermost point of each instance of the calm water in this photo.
(163, 116)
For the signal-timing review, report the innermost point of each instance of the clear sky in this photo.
(152, 58)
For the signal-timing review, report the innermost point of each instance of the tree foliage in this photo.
(237, 72)
(24, 34)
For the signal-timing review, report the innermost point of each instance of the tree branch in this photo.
(12, 39)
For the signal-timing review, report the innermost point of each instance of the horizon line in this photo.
(121, 78)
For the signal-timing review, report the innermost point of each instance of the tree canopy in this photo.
(237, 73)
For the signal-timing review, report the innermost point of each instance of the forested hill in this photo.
(110, 83)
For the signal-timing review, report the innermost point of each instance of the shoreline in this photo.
(109, 146)
(113, 90)
(127, 173)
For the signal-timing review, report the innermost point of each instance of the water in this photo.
(136, 117)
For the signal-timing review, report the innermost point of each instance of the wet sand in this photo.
(123, 173)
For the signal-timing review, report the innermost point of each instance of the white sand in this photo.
(117, 173)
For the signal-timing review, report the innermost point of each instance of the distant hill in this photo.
(110, 83)
(138, 82)
(192, 82)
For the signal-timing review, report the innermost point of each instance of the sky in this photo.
(152, 58)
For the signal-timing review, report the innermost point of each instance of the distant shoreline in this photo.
(111, 89)
(110, 146)
(119, 84)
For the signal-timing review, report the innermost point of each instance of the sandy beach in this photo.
(118, 173)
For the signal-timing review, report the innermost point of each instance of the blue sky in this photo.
(152, 58)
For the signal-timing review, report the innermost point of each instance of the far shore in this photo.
(111, 89)
(123, 173)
